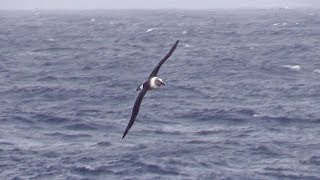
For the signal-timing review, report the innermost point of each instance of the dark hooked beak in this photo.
(162, 83)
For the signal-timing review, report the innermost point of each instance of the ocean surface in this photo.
(241, 101)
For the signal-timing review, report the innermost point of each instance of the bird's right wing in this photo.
(135, 110)
(163, 59)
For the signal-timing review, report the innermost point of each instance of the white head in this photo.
(156, 82)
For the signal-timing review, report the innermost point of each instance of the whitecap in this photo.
(184, 32)
(275, 24)
(316, 70)
(257, 115)
(187, 45)
(92, 20)
(293, 67)
(151, 29)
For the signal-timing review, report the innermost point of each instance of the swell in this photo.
(57, 49)
(240, 115)
(50, 92)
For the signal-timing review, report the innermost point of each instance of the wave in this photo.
(211, 132)
(264, 150)
(152, 29)
(104, 144)
(284, 119)
(47, 78)
(80, 126)
(50, 119)
(55, 92)
(287, 175)
(68, 136)
(313, 160)
(57, 49)
(293, 67)
(91, 171)
(218, 114)
(156, 169)
(22, 119)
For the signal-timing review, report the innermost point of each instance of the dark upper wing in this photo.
(135, 109)
(163, 59)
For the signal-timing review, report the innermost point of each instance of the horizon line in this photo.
(216, 8)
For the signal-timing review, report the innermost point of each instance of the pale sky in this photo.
(155, 4)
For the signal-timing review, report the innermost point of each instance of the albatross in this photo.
(153, 82)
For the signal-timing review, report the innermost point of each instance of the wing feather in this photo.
(135, 110)
(163, 59)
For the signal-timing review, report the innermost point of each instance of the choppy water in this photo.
(241, 100)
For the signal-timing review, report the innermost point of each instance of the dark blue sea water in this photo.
(241, 101)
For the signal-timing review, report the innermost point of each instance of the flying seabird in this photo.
(153, 82)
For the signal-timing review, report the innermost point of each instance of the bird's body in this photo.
(152, 83)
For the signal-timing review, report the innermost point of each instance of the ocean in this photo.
(241, 100)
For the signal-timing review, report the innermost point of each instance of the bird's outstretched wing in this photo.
(163, 59)
(135, 110)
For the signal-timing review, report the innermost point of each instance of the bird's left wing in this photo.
(135, 110)
(163, 59)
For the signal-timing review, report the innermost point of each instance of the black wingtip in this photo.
(125, 133)
(175, 45)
